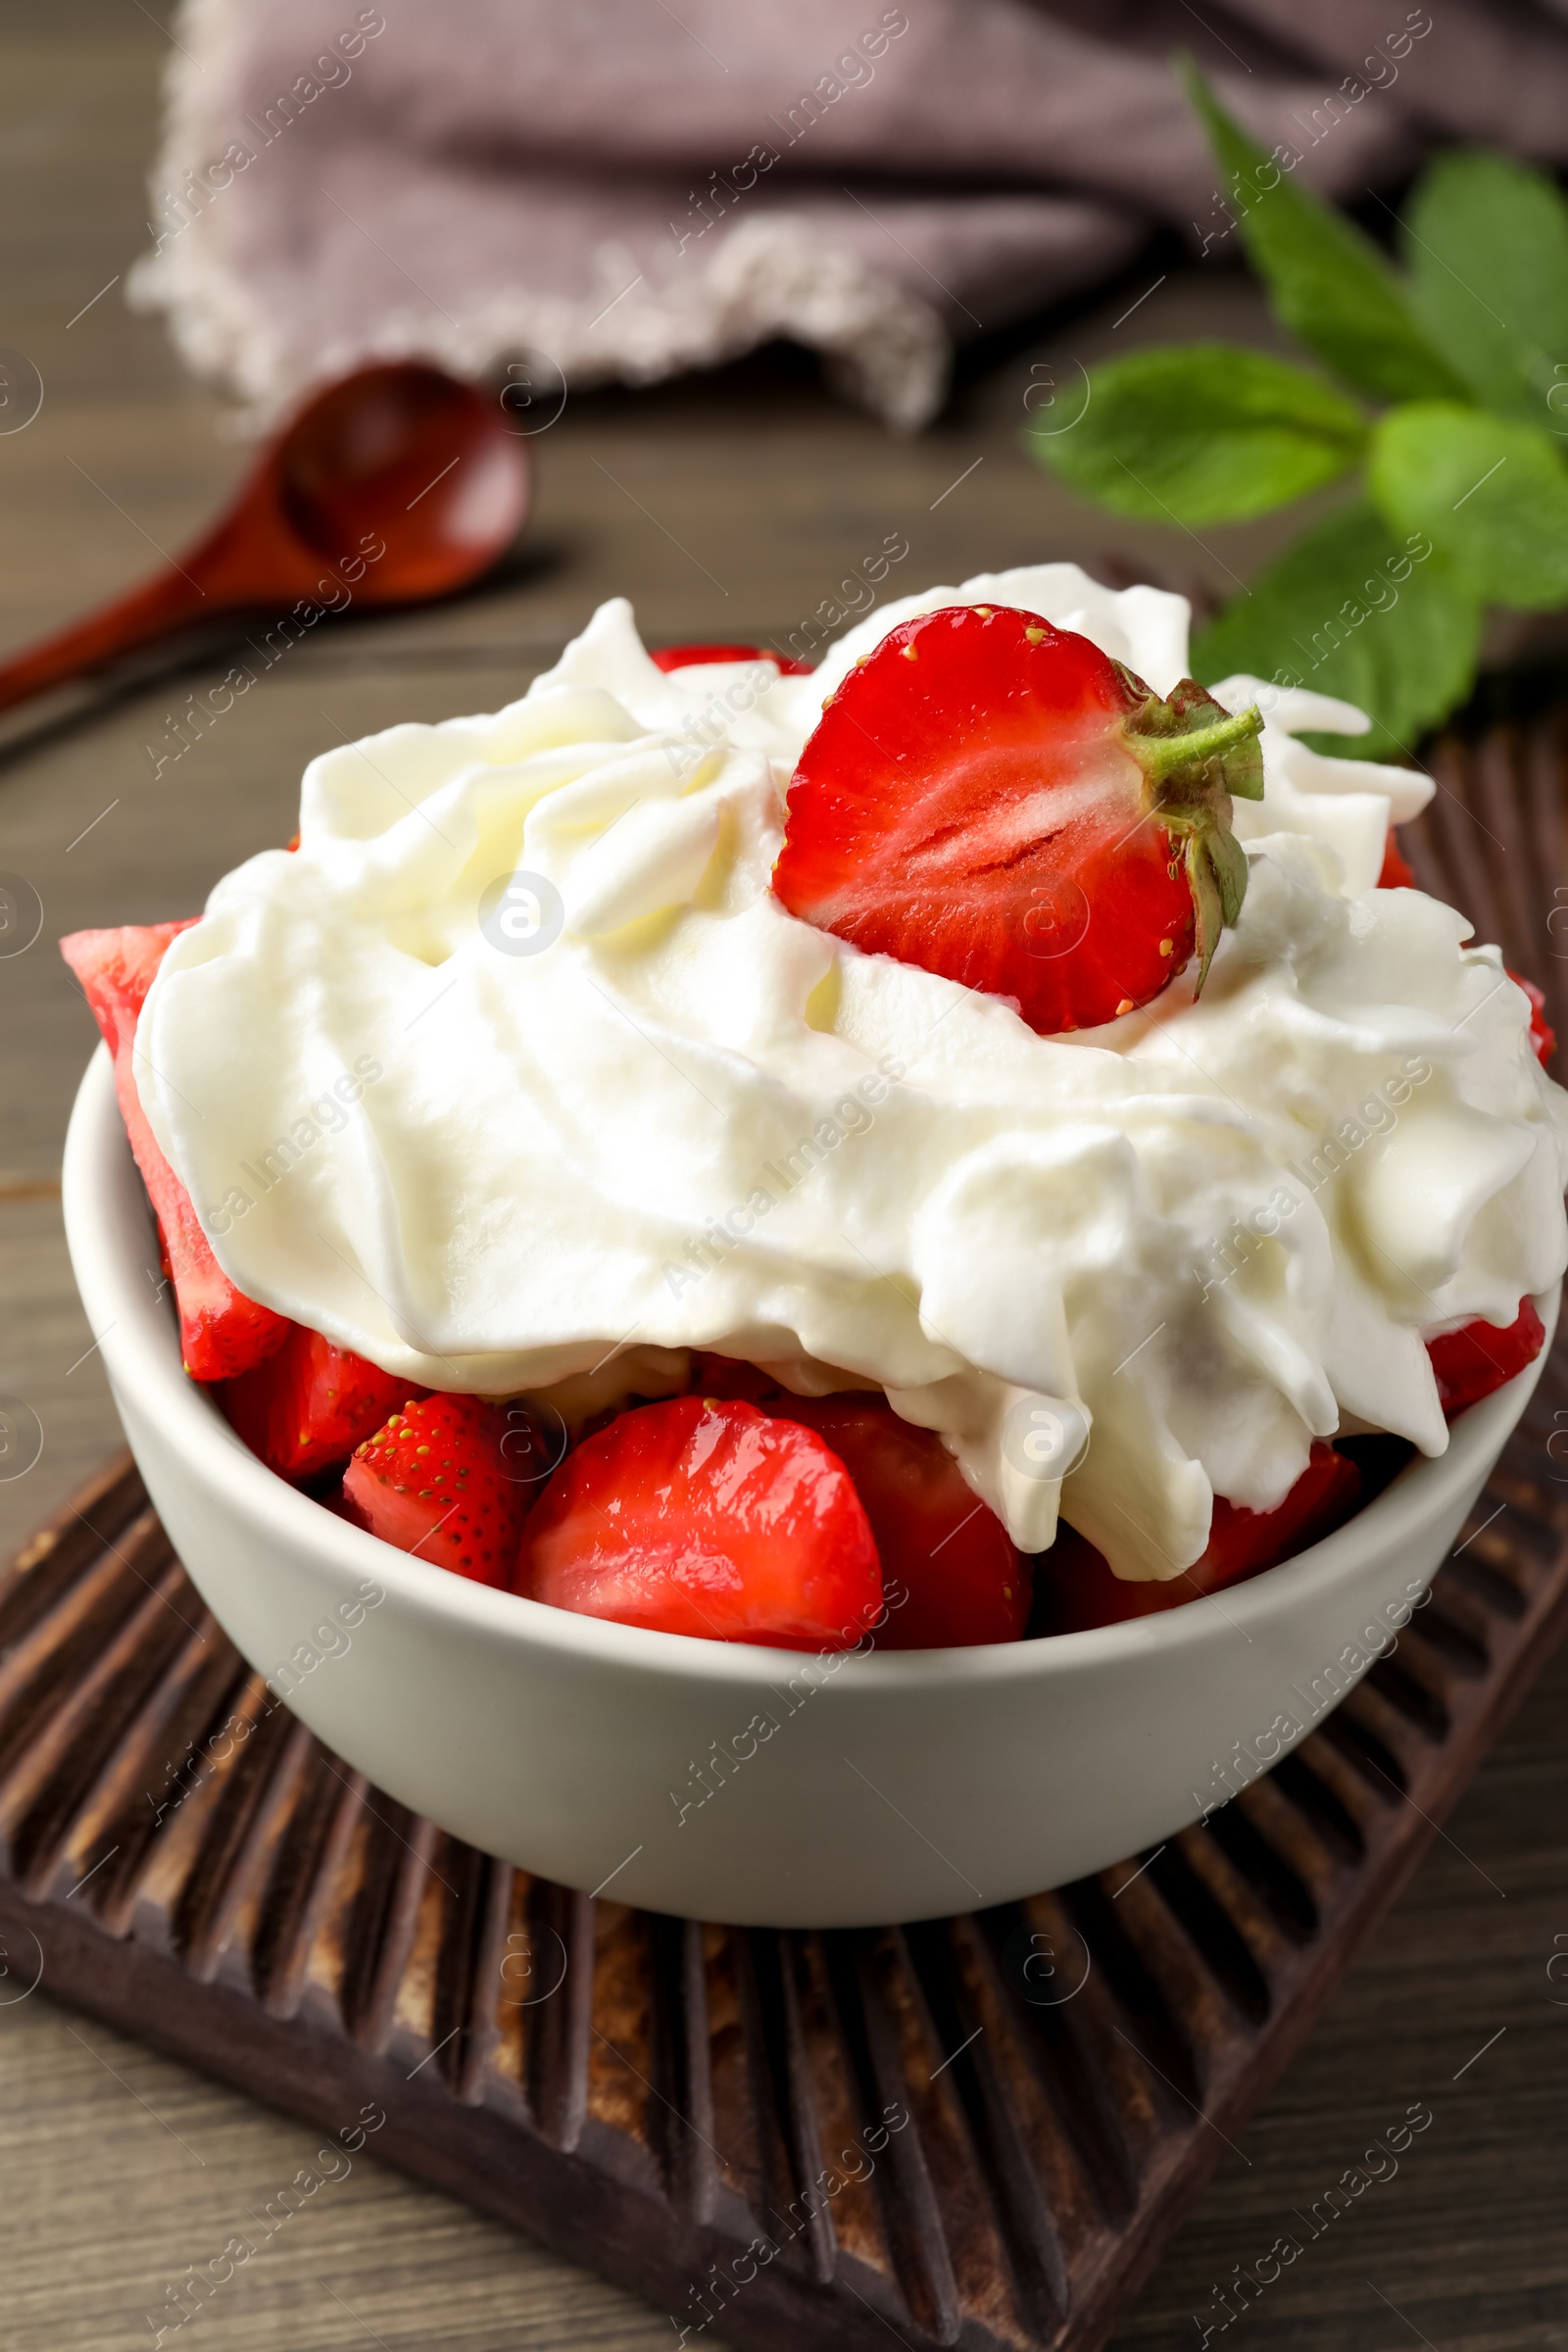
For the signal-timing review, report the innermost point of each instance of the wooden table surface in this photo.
(726, 508)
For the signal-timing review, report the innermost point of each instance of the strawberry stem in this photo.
(1158, 756)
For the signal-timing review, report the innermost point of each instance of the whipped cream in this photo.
(550, 1143)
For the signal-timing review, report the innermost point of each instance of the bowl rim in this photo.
(104, 1203)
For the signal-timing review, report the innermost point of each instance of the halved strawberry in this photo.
(1469, 1363)
(433, 1481)
(1542, 1035)
(707, 1517)
(1398, 872)
(307, 1406)
(221, 1332)
(995, 800)
(1078, 1588)
(948, 1567)
(684, 656)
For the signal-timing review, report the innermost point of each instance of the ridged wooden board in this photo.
(783, 2139)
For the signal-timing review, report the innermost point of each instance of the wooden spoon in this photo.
(401, 458)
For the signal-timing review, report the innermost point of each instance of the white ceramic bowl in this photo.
(722, 1782)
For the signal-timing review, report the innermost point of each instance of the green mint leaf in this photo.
(1491, 495)
(1487, 242)
(1202, 432)
(1355, 609)
(1328, 282)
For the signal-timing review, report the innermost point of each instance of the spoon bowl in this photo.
(414, 457)
(398, 478)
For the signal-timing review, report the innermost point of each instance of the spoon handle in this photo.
(170, 600)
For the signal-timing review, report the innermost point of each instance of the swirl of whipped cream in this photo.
(1185, 1245)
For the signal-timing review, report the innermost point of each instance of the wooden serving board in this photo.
(976, 2132)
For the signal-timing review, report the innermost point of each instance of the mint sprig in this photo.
(1486, 242)
(1494, 496)
(1207, 433)
(1455, 465)
(1327, 282)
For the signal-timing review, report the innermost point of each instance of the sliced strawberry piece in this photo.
(948, 1567)
(307, 1406)
(684, 656)
(707, 1517)
(1242, 1542)
(730, 1376)
(1398, 872)
(1542, 1035)
(221, 1332)
(1079, 1589)
(1469, 1363)
(995, 800)
(952, 1574)
(435, 1481)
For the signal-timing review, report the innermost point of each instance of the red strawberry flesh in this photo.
(1472, 1361)
(1080, 1590)
(951, 1575)
(997, 801)
(704, 1516)
(221, 1332)
(1398, 872)
(305, 1409)
(435, 1481)
(1242, 1542)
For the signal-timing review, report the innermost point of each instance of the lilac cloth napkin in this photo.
(621, 189)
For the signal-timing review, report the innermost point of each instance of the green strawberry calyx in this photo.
(1197, 757)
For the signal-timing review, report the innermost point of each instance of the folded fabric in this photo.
(615, 190)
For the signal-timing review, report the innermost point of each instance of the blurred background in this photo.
(783, 309)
